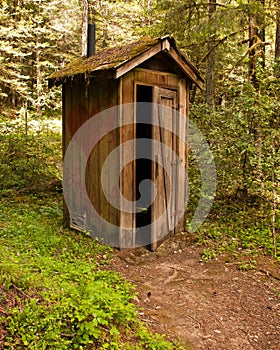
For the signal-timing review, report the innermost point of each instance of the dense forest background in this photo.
(234, 44)
(54, 289)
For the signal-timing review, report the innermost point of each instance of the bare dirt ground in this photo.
(209, 305)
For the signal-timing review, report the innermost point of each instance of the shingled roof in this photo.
(117, 61)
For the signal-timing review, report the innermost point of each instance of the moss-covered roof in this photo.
(105, 59)
(116, 58)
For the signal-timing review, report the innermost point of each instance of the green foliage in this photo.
(157, 342)
(118, 22)
(28, 161)
(230, 229)
(77, 316)
(247, 265)
(231, 132)
(65, 297)
(62, 296)
(243, 134)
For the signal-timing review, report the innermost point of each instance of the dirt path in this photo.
(210, 305)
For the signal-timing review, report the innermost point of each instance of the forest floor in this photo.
(209, 306)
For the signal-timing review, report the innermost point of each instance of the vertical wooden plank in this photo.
(93, 164)
(112, 142)
(159, 205)
(83, 118)
(79, 117)
(103, 151)
(128, 175)
(66, 115)
(108, 99)
(72, 176)
(182, 153)
(101, 96)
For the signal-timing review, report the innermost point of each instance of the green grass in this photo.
(54, 288)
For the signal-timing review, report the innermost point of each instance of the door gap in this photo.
(144, 93)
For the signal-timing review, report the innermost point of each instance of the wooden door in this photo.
(164, 169)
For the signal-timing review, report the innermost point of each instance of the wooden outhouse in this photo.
(129, 82)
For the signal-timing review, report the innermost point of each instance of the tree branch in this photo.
(195, 5)
(220, 42)
(250, 49)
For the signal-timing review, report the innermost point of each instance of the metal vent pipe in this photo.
(91, 40)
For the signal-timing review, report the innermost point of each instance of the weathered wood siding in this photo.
(102, 95)
(81, 102)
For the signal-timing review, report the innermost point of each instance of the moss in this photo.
(105, 59)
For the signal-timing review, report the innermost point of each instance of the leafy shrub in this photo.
(29, 162)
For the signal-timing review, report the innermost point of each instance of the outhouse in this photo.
(125, 119)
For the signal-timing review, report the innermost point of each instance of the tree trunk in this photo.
(277, 41)
(38, 67)
(38, 81)
(210, 72)
(256, 44)
(261, 34)
(16, 12)
(84, 28)
(252, 52)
